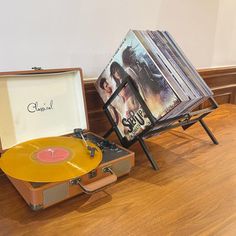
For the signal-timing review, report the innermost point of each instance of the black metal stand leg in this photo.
(214, 140)
(146, 151)
(187, 126)
(108, 133)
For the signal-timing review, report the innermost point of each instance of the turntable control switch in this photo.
(105, 143)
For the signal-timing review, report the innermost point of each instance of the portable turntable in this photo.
(47, 151)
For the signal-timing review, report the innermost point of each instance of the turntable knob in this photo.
(105, 143)
(113, 146)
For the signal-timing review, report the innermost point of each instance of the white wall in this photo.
(225, 37)
(86, 33)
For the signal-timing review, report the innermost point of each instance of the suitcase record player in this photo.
(48, 153)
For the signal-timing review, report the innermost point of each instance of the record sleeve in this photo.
(165, 84)
(132, 61)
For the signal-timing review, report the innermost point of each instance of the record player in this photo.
(48, 153)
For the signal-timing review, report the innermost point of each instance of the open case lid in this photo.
(40, 103)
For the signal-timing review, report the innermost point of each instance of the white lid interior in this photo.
(40, 105)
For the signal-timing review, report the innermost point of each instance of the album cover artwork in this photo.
(128, 114)
(133, 61)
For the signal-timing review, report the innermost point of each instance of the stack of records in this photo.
(166, 80)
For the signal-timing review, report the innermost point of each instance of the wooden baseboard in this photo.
(221, 80)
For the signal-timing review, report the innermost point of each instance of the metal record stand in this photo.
(185, 120)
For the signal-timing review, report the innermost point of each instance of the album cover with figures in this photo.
(132, 60)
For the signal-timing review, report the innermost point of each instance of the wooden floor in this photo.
(194, 193)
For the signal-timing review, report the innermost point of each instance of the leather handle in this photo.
(99, 184)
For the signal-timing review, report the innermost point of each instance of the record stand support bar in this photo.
(147, 152)
(210, 134)
(185, 120)
(108, 133)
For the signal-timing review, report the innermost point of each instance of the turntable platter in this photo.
(50, 159)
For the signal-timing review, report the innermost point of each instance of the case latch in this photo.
(36, 68)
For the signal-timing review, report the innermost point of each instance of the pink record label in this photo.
(52, 155)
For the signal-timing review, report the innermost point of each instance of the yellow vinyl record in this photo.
(50, 159)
